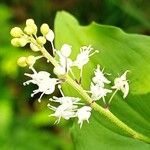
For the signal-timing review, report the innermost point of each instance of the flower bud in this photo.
(34, 47)
(30, 60)
(50, 35)
(66, 50)
(29, 22)
(16, 32)
(34, 27)
(15, 42)
(44, 29)
(41, 40)
(22, 42)
(29, 30)
(22, 62)
(31, 27)
(59, 71)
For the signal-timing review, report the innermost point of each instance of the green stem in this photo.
(105, 112)
(112, 96)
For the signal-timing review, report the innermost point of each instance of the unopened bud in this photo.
(22, 42)
(41, 40)
(44, 29)
(16, 32)
(29, 30)
(15, 42)
(50, 35)
(59, 71)
(29, 22)
(30, 60)
(34, 27)
(66, 50)
(22, 62)
(34, 47)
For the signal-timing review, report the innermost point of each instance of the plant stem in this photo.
(105, 112)
(112, 96)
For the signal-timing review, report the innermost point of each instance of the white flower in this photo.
(121, 83)
(98, 92)
(83, 56)
(68, 106)
(83, 114)
(65, 111)
(66, 100)
(99, 77)
(45, 84)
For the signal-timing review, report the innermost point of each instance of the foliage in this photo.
(24, 124)
(118, 51)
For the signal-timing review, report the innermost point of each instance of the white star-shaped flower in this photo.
(83, 56)
(66, 100)
(122, 84)
(46, 85)
(65, 111)
(99, 77)
(83, 114)
(98, 92)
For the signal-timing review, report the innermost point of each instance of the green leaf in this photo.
(118, 51)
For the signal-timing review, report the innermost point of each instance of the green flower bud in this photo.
(30, 60)
(29, 30)
(16, 32)
(22, 62)
(29, 22)
(34, 27)
(34, 47)
(31, 27)
(44, 29)
(41, 40)
(15, 42)
(22, 42)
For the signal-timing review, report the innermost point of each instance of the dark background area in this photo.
(24, 123)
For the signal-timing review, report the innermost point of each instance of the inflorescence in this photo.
(69, 107)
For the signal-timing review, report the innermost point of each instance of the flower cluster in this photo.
(68, 107)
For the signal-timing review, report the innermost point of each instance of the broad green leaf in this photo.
(118, 51)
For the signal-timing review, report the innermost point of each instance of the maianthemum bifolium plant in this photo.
(69, 107)
(101, 87)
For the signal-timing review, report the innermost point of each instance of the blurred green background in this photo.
(24, 123)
